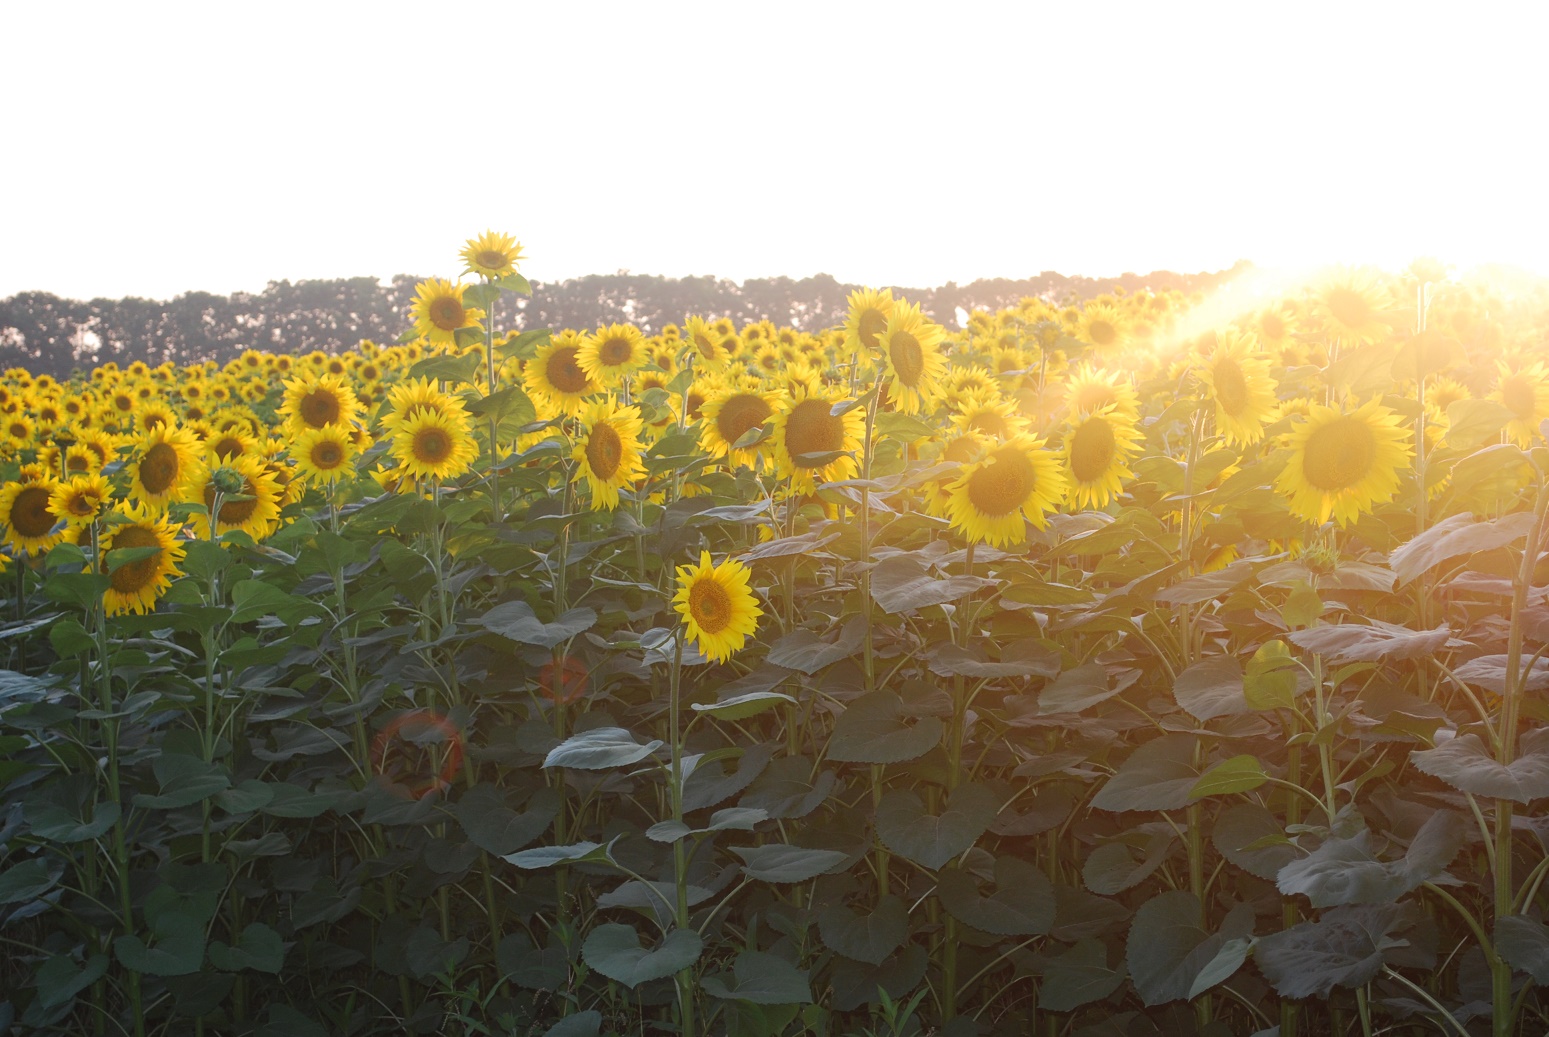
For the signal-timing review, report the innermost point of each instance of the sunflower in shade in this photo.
(912, 362)
(812, 444)
(730, 412)
(867, 320)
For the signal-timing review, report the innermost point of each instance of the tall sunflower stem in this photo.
(685, 978)
(494, 417)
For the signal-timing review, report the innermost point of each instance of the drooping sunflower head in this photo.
(439, 313)
(812, 443)
(81, 500)
(912, 361)
(609, 354)
(608, 451)
(1344, 463)
(1236, 376)
(719, 611)
(1098, 448)
(315, 401)
(554, 377)
(325, 454)
(491, 255)
(432, 445)
(869, 313)
(30, 522)
(1015, 481)
(136, 583)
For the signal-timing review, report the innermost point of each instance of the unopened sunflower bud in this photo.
(227, 480)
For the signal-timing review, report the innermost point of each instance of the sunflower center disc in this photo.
(564, 373)
(615, 351)
(446, 313)
(1103, 333)
(871, 326)
(1231, 386)
(710, 606)
(741, 414)
(228, 446)
(490, 260)
(432, 446)
(604, 450)
(134, 576)
(811, 429)
(705, 346)
(1091, 451)
(1519, 396)
(1349, 307)
(30, 515)
(1003, 485)
(319, 408)
(234, 512)
(1339, 455)
(908, 358)
(327, 455)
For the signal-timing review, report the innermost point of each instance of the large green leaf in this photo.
(867, 936)
(1345, 870)
(176, 947)
(1158, 775)
(1272, 677)
(1171, 956)
(1076, 689)
(781, 863)
(872, 730)
(931, 840)
(1251, 838)
(1079, 976)
(1211, 688)
(901, 583)
(1371, 641)
(582, 1024)
(185, 780)
(1465, 764)
(743, 706)
(614, 950)
(60, 978)
(763, 979)
(1238, 774)
(1524, 944)
(1021, 905)
(805, 651)
(1125, 863)
(496, 828)
(599, 749)
(1454, 536)
(53, 821)
(575, 853)
(517, 621)
(259, 948)
(1344, 948)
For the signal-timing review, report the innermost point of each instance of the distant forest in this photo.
(45, 333)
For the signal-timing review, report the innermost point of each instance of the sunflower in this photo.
(255, 509)
(326, 454)
(731, 412)
(491, 255)
(608, 451)
(80, 459)
(431, 445)
(1097, 451)
(718, 608)
(234, 442)
(80, 501)
(19, 430)
(989, 413)
(1237, 377)
(554, 378)
(161, 463)
(418, 396)
(709, 348)
(154, 414)
(1525, 392)
(30, 523)
(1014, 481)
(869, 313)
(311, 401)
(912, 362)
(961, 449)
(812, 443)
(1090, 388)
(1103, 326)
(609, 354)
(1342, 464)
(1350, 305)
(135, 586)
(438, 311)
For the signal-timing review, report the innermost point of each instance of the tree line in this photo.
(45, 333)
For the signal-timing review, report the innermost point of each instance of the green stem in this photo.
(685, 978)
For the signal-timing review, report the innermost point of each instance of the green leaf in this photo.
(1212, 688)
(614, 950)
(53, 821)
(1271, 679)
(1021, 905)
(426, 954)
(185, 780)
(599, 749)
(1238, 774)
(510, 404)
(1344, 948)
(26, 881)
(743, 706)
(123, 556)
(177, 946)
(781, 863)
(1524, 944)
(575, 853)
(931, 840)
(1251, 838)
(59, 979)
(515, 282)
(731, 819)
(259, 948)
(517, 621)
(1170, 957)
(868, 936)
(1466, 765)
(805, 651)
(1158, 775)
(458, 370)
(582, 1024)
(763, 979)
(1078, 977)
(872, 730)
(1346, 871)
(1120, 865)
(1454, 536)
(253, 599)
(1372, 641)
(900, 583)
(495, 828)
(1471, 422)
(1077, 689)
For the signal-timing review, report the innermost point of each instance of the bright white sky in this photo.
(156, 149)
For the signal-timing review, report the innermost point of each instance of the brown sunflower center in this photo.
(604, 450)
(1091, 450)
(988, 421)
(613, 352)
(431, 445)
(1231, 386)
(159, 468)
(812, 429)
(327, 455)
(1003, 485)
(228, 446)
(446, 313)
(490, 259)
(710, 605)
(870, 327)
(1274, 327)
(706, 347)
(563, 371)
(320, 407)
(740, 414)
(83, 503)
(1103, 332)
(137, 575)
(30, 515)
(123, 403)
(1517, 393)
(1339, 454)
(1349, 307)
(908, 358)
(234, 512)
(76, 462)
(18, 429)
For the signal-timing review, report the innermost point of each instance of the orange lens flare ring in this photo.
(406, 749)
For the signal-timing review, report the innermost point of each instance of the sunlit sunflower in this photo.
(1277, 329)
(961, 449)
(610, 354)
(1237, 378)
(912, 361)
(718, 608)
(30, 524)
(136, 585)
(709, 348)
(80, 459)
(438, 311)
(417, 396)
(554, 377)
(731, 412)
(234, 442)
(154, 414)
(990, 414)
(19, 431)
(325, 454)
(1098, 448)
(869, 313)
(1525, 392)
(161, 464)
(1103, 326)
(1342, 464)
(1350, 305)
(434, 446)
(311, 401)
(1090, 388)
(491, 255)
(80, 501)
(254, 508)
(1014, 481)
(812, 444)
(608, 451)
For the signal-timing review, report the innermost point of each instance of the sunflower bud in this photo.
(227, 480)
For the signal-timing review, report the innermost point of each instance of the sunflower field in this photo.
(1149, 665)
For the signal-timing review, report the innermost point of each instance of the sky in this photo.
(163, 148)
